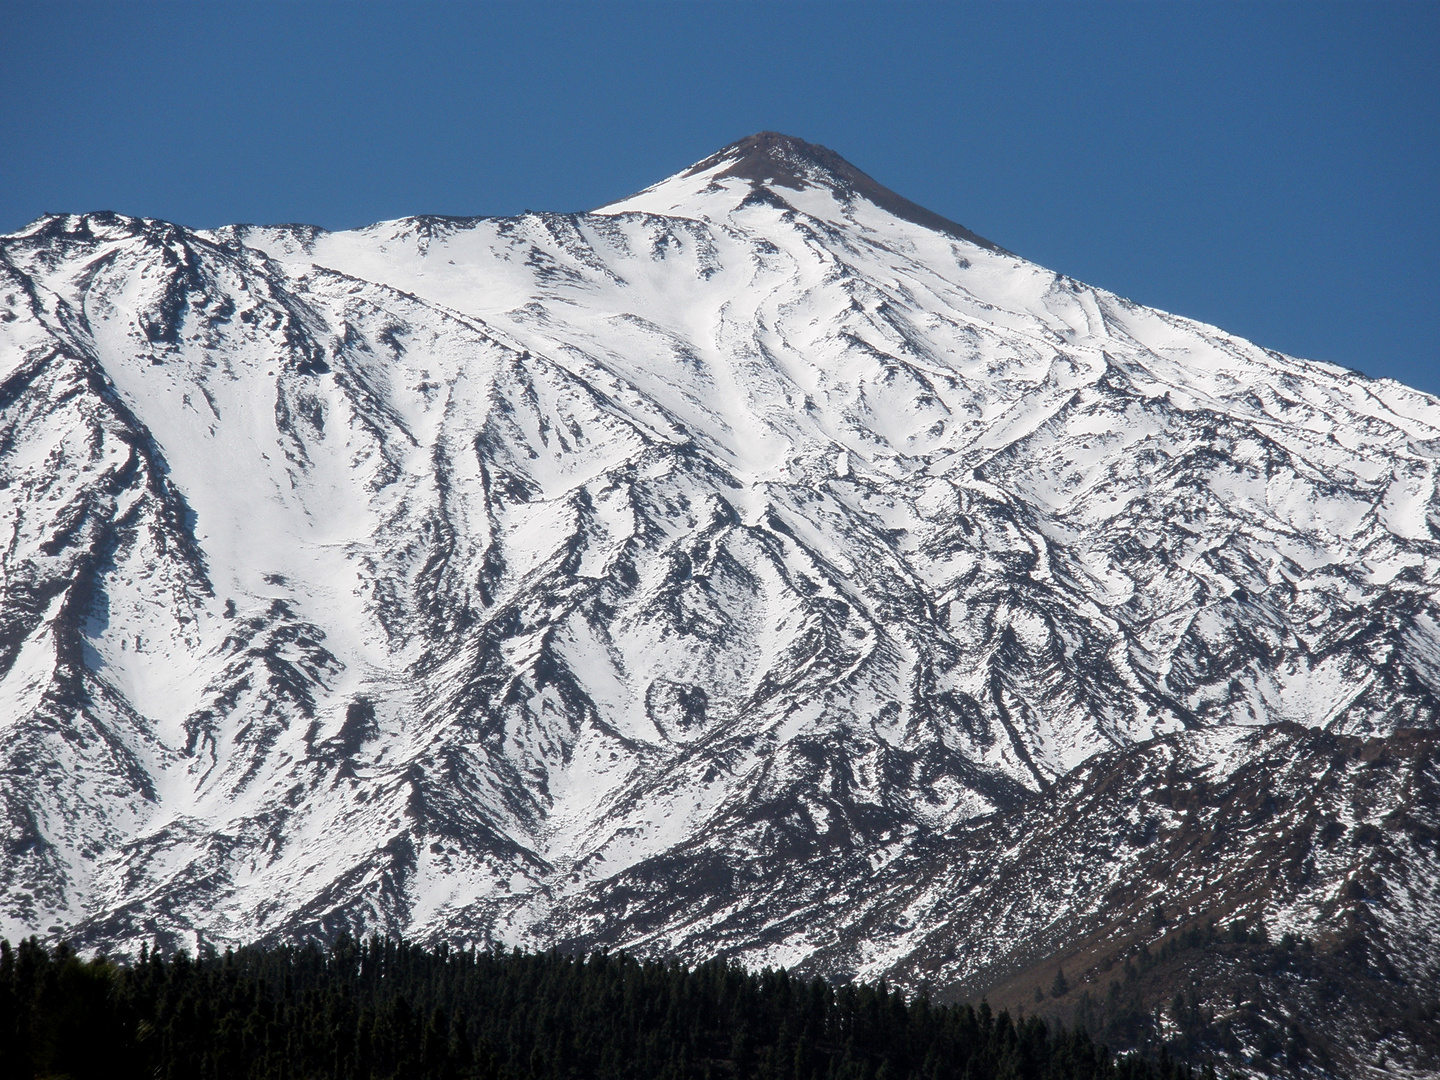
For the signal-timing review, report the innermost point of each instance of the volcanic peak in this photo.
(770, 157)
(773, 159)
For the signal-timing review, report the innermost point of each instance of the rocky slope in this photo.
(485, 578)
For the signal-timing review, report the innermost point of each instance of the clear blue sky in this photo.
(1272, 168)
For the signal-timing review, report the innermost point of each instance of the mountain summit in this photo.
(756, 567)
(769, 160)
(770, 157)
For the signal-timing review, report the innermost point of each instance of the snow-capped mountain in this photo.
(450, 577)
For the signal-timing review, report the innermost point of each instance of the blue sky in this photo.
(1271, 168)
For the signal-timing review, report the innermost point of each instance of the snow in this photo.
(527, 486)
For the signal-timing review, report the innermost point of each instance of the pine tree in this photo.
(1061, 986)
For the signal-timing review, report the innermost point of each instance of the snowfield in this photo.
(598, 577)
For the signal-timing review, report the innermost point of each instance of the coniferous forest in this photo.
(382, 1009)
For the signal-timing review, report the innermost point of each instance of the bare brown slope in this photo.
(1178, 955)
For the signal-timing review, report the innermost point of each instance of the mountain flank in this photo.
(755, 569)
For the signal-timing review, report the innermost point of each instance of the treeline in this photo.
(385, 1009)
